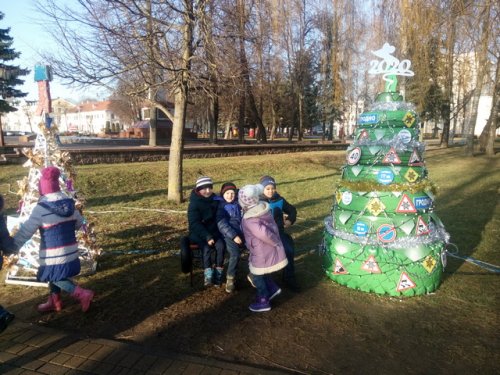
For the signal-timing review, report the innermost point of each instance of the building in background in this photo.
(89, 117)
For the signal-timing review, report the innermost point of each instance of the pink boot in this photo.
(84, 296)
(54, 303)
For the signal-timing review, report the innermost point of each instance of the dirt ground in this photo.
(323, 329)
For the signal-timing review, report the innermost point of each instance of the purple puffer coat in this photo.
(262, 238)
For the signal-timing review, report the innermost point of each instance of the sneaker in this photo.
(218, 277)
(261, 304)
(230, 284)
(208, 273)
(250, 280)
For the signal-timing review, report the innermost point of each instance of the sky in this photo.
(30, 38)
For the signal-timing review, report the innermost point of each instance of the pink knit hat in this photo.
(49, 181)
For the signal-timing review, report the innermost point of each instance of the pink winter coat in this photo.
(262, 238)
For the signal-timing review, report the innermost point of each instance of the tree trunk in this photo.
(448, 86)
(274, 122)
(180, 99)
(152, 127)
(301, 116)
(482, 63)
(241, 117)
(176, 148)
(487, 138)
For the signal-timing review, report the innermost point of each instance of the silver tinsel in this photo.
(391, 106)
(437, 234)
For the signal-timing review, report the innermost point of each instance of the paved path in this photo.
(29, 349)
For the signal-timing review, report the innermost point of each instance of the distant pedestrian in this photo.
(229, 224)
(7, 247)
(203, 231)
(285, 215)
(57, 219)
(267, 254)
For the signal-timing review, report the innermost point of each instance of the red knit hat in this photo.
(227, 186)
(49, 181)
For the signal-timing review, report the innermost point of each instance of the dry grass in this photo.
(146, 296)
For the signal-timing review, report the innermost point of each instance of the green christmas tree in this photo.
(383, 236)
(9, 74)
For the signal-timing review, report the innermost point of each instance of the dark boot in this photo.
(230, 284)
(54, 303)
(84, 296)
(5, 318)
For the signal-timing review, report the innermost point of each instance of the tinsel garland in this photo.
(423, 185)
(391, 106)
(437, 233)
(396, 142)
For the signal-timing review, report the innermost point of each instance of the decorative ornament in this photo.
(429, 263)
(371, 265)
(354, 156)
(385, 176)
(375, 206)
(391, 157)
(339, 268)
(422, 227)
(405, 206)
(415, 159)
(346, 198)
(405, 283)
(386, 233)
(411, 175)
(409, 119)
(360, 229)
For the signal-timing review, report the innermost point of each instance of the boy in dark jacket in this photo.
(285, 215)
(7, 247)
(229, 224)
(203, 229)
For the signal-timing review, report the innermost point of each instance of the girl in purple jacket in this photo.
(262, 238)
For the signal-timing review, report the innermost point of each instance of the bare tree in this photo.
(106, 42)
(484, 14)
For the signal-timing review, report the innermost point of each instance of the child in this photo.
(6, 247)
(285, 215)
(57, 219)
(229, 224)
(203, 229)
(267, 254)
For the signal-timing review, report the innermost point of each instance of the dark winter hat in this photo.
(267, 180)
(49, 181)
(227, 186)
(203, 182)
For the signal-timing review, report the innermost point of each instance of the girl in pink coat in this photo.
(262, 238)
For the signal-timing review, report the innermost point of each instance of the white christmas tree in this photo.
(46, 152)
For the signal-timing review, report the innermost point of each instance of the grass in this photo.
(128, 204)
